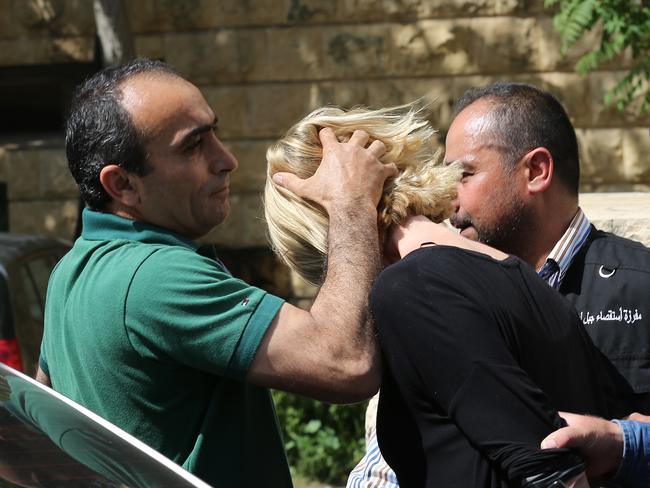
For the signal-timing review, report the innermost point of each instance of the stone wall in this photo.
(42, 196)
(263, 64)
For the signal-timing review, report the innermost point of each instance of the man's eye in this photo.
(465, 175)
(193, 145)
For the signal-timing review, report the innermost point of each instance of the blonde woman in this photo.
(478, 351)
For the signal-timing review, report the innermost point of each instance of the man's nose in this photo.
(222, 158)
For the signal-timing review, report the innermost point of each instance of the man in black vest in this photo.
(519, 193)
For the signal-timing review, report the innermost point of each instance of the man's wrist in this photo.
(354, 208)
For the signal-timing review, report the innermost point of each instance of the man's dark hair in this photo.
(525, 117)
(100, 131)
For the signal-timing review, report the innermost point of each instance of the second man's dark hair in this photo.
(525, 117)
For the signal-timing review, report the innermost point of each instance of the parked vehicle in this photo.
(47, 440)
(25, 266)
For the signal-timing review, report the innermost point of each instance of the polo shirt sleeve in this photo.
(185, 308)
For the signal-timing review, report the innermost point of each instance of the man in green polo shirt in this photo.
(166, 343)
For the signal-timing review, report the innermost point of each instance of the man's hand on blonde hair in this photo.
(349, 174)
(598, 440)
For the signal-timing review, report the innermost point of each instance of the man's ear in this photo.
(539, 169)
(120, 185)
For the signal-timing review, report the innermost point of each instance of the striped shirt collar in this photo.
(558, 261)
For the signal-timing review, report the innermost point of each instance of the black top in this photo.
(479, 355)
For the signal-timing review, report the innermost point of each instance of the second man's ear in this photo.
(539, 169)
(120, 185)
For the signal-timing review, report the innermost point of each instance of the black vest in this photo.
(608, 282)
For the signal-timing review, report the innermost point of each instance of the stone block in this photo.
(624, 214)
(431, 47)
(308, 11)
(515, 7)
(250, 176)
(39, 174)
(230, 104)
(245, 226)
(23, 181)
(380, 10)
(409, 10)
(260, 111)
(46, 51)
(636, 147)
(462, 46)
(273, 109)
(3, 165)
(601, 154)
(77, 49)
(150, 46)
(291, 54)
(56, 218)
(8, 26)
(212, 57)
(53, 18)
(501, 44)
(154, 16)
(353, 53)
(55, 178)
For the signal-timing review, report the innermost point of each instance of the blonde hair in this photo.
(298, 228)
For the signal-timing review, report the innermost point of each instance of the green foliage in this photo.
(323, 441)
(624, 24)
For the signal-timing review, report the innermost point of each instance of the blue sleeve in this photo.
(634, 471)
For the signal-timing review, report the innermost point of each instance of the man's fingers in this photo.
(359, 138)
(289, 181)
(390, 170)
(377, 148)
(565, 437)
(638, 417)
(327, 137)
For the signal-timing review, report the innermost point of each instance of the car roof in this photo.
(47, 437)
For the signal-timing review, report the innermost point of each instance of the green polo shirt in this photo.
(157, 339)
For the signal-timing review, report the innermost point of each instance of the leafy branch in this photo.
(624, 24)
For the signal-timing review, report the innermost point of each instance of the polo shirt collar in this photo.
(100, 226)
